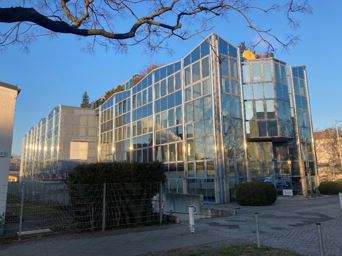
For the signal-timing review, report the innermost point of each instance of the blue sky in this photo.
(57, 71)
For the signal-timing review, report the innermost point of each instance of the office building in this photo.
(63, 139)
(219, 116)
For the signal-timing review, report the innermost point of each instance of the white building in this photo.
(8, 97)
(63, 139)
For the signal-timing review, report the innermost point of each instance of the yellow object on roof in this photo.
(248, 55)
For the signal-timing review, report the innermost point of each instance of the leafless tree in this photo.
(121, 23)
(327, 147)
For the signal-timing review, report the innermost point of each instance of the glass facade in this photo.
(214, 120)
(40, 147)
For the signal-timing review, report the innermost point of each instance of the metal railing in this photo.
(51, 207)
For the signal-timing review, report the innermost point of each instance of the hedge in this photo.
(330, 187)
(129, 190)
(256, 193)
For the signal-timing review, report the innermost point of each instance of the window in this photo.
(197, 90)
(207, 107)
(206, 87)
(179, 115)
(189, 131)
(270, 109)
(258, 91)
(249, 110)
(259, 107)
(205, 67)
(198, 109)
(188, 94)
(178, 81)
(226, 86)
(187, 76)
(248, 91)
(269, 90)
(272, 128)
(196, 72)
(256, 72)
(267, 72)
(262, 128)
(245, 73)
(224, 67)
(163, 88)
(189, 112)
(171, 117)
(170, 85)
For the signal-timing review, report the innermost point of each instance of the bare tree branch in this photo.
(146, 21)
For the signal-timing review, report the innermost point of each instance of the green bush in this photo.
(256, 193)
(330, 187)
(129, 190)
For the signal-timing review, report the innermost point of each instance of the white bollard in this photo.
(340, 197)
(192, 219)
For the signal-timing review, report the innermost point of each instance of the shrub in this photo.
(256, 193)
(330, 187)
(129, 190)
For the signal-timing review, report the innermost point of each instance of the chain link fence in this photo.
(51, 207)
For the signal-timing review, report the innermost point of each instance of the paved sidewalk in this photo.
(289, 224)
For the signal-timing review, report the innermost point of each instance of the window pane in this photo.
(258, 91)
(172, 153)
(188, 94)
(187, 76)
(195, 72)
(198, 109)
(178, 81)
(170, 85)
(189, 131)
(226, 86)
(171, 118)
(262, 128)
(269, 90)
(224, 68)
(197, 90)
(163, 88)
(206, 87)
(245, 73)
(179, 115)
(248, 91)
(272, 128)
(189, 112)
(249, 110)
(207, 107)
(179, 152)
(267, 72)
(259, 106)
(270, 109)
(256, 72)
(157, 90)
(205, 67)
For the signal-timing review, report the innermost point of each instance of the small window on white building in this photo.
(79, 151)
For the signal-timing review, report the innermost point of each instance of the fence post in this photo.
(104, 208)
(21, 211)
(92, 217)
(161, 203)
(256, 215)
(192, 219)
(320, 239)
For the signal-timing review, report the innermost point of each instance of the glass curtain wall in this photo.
(303, 118)
(268, 123)
(231, 115)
